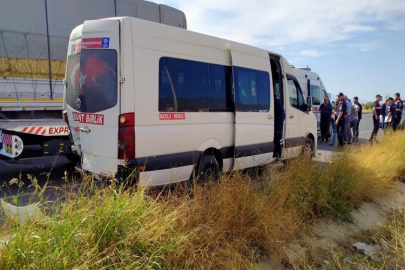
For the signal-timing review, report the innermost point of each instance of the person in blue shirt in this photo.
(326, 113)
(376, 117)
(279, 114)
(341, 120)
(384, 112)
(399, 107)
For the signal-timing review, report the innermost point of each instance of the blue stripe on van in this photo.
(255, 149)
(169, 161)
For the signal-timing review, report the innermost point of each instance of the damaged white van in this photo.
(168, 103)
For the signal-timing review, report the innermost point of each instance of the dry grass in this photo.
(390, 238)
(233, 224)
(31, 68)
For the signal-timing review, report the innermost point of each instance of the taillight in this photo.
(126, 136)
(64, 116)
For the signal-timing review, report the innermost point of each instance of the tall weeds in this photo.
(231, 224)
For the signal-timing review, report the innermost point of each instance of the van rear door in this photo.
(97, 105)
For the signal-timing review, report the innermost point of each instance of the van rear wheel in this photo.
(208, 171)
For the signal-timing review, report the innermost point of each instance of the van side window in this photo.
(301, 100)
(295, 94)
(252, 90)
(183, 85)
(292, 93)
(220, 87)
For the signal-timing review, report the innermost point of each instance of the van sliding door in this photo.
(254, 112)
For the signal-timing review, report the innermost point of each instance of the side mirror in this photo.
(309, 104)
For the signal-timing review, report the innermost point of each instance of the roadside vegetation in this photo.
(368, 106)
(243, 219)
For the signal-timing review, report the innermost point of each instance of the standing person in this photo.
(376, 117)
(384, 112)
(391, 114)
(359, 114)
(334, 124)
(355, 121)
(326, 113)
(279, 114)
(399, 107)
(349, 107)
(341, 120)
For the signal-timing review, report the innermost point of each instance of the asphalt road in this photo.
(59, 172)
(366, 127)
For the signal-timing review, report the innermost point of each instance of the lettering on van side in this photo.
(172, 116)
(88, 118)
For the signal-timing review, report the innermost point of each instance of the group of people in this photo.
(391, 112)
(347, 119)
(348, 116)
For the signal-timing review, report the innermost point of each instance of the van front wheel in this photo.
(308, 148)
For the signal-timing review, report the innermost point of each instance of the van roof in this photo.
(310, 74)
(187, 36)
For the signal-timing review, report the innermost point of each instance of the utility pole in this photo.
(49, 49)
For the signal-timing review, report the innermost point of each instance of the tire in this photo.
(308, 148)
(208, 169)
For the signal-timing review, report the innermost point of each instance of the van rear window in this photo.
(92, 84)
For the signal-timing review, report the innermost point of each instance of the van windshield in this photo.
(92, 80)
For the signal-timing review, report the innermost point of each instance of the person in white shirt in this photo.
(349, 107)
(355, 120)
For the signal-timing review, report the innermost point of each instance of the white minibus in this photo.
(312, 86)
(168, 103)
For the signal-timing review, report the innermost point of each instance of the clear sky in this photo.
(356, 46)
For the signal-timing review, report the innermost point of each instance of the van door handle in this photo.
(85, 130)
(291, 116)
(269, 116)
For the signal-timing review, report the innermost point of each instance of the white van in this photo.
(160, 100)
(312, 86)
